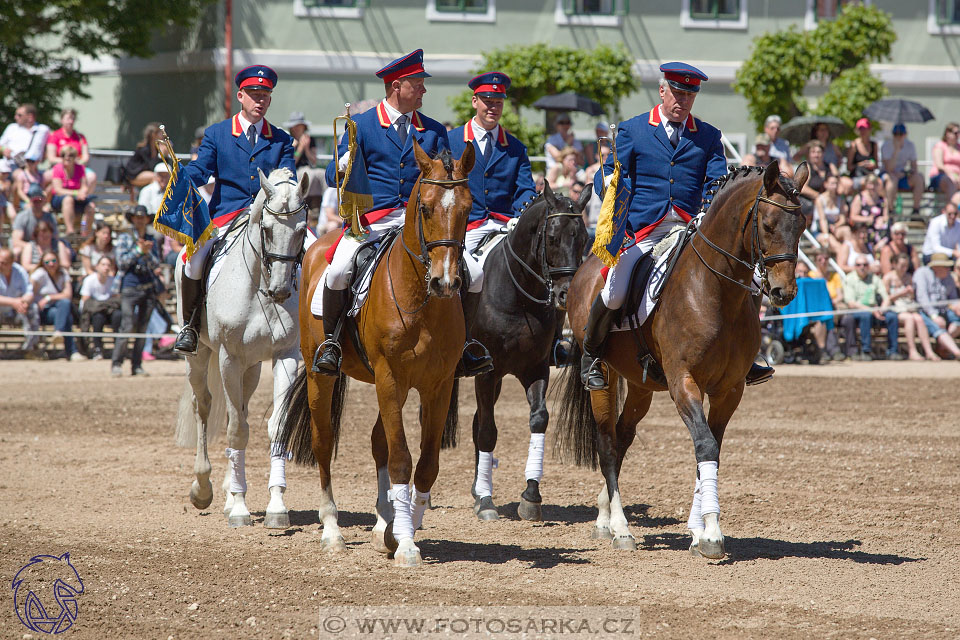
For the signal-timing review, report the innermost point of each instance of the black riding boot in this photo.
(191, 292)
(758, 373)
(326, 360)
(475, 358)
(594, 339)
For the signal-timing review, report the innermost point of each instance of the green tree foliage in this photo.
(41, 40)
(603, 74)
(839, 52)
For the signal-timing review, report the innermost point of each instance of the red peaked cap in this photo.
(683, 76)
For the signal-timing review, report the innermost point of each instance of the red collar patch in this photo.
(654, 119)
(384, 118)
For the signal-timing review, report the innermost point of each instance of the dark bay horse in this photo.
(412, 330)
(524, 296)
(705, 334)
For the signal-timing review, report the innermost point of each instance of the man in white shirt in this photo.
(24, 135)
(16, 298)
(899, 164)
(151, 196)
(943, 234)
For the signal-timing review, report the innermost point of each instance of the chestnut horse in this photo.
(705, 333)
(412, 330)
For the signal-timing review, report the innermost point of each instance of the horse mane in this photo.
(282, 174)
(721, 187)
(446, 157)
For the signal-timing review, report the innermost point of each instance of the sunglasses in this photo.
(49, 262)
(862, 264)
(953, 130)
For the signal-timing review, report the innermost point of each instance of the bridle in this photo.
(267, 258)
(425, 246)
(547, 272)
(757, 257)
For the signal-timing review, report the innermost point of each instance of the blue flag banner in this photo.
(612, 221)
(183, 214)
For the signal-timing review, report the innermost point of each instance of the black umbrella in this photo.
(569, 101)
(897, 110)
(799, 130)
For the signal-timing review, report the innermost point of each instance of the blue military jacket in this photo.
(226, 154)
(392, 171)
(660, 177)
(502, 187)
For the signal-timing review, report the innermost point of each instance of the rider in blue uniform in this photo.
(500, 182)
(668, 158)
(232, 151)
(385, 138)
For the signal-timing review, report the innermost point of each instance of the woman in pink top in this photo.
(945, 173)
(66, 136)
(71, 192)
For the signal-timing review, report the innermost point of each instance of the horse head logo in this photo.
(39, 584)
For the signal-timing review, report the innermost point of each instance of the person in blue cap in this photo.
(668, 157)
(232, 151)
(385, 136)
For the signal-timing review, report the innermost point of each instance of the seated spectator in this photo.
(861, 290)
(24, 137)
(98, 245)
(25, 224)
(817, 329)
(99, 306)
(945, 172)
(943, 234)
(43, 241)
(54, 295)
(71, 192)
(562, 175)
(855, 248)
(65, 136)
(824, 271)
(760, 156)
(538, 181)
(932, 284)
(562, 138)
(28, 176)
(832, 155)
(862, 155)
(17, 305)
(151, 195)
(779, 147)
(819, 170)
(832, 226)
(870, 208)
(138, 170)
(900, 285)
(898, 245)
(7, 210)
(899, 162)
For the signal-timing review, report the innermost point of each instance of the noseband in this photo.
(267, 258)
(547, 272)
(757, 257)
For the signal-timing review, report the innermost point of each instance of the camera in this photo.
(19, 160)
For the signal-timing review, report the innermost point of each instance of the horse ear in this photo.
(265, 184)
(550, 197)
(800, 175)
(466, 161)
(771, 175)
(423, 160)
(585, 197)
(304, 185)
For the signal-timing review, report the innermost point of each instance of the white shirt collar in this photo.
(667, 126)
(245, 124)
(479, 131)
(393, 114)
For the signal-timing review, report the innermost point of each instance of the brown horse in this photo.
(412, 330)
(705, 334)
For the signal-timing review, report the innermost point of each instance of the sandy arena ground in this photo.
(838, 487)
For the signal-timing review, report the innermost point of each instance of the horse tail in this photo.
(576, 428)
(187, 418)
(296, 434)
(451, 428)
(336, 409)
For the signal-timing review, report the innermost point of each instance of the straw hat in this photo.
(940, 260)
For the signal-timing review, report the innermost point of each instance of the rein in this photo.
(547, 272)
(757, 258)
(424, 256)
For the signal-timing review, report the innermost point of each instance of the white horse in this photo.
(250, 317)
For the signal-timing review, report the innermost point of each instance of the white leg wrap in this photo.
(709, 495)
(238, 473)
(402, 512)
(485, 474)
(534, 470)
(278, 472)
(419, 508)
(695, 521)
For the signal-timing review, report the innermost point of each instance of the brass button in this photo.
(486, 190)
(672, 163)
(486, 175)
(671, 180)
(401, 165)
(671, 198)
(401, 180)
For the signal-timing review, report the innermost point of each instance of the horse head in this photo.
(777, 228)
(278, 222)
(442, 204)
(558, 241)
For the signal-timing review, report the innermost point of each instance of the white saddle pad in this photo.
(361, 285)
(654, 284)
(483, 251)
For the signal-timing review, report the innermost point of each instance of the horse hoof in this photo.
(601, 533)
(277, 520)
(201, 498)
(239, 521)
(624, 543)
(712, 549)
(407, 559)
(695, 550)
(334, 545)
(388, 540)
(530, 511)
(485, 509)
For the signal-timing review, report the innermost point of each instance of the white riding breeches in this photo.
(614, 292)
(193, 268)
(470, 242)
(339, 272)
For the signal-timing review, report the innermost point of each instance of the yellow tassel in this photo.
(604, 231)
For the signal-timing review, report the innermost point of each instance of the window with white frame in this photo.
(329, 8)
(943, 17)
(713, 14)
(818, 10)
(595, 13)
(462, 10)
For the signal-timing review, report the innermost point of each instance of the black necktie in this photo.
(252, 135)
(488, 149)
(675, 136)
(402, 129)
